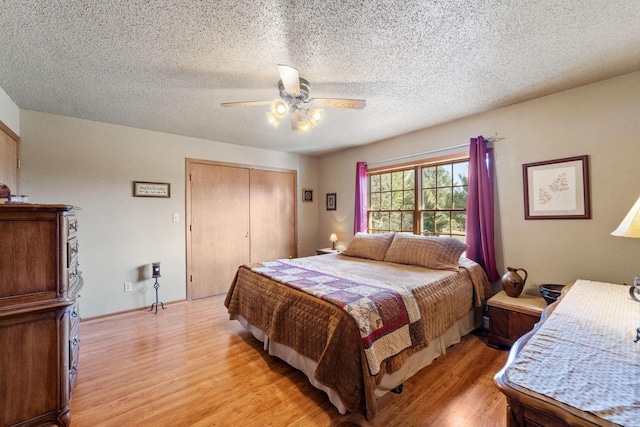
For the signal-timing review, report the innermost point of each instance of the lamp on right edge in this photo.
(630, 225)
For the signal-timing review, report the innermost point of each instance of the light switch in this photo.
(176, 217)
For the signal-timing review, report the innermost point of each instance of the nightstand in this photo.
(325, 251)
(510, 318)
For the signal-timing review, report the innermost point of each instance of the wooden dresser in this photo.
(39, 316)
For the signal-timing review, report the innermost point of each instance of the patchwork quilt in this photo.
(387, 316)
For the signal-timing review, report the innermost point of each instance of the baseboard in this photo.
(132, 310)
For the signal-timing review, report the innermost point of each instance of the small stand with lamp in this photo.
(155, 267)
(630, 227)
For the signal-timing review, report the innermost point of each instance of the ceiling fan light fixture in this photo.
(304, 125)
(315, 115)
(275, 121)
(279, 108)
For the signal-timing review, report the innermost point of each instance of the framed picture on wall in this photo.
(151, 189)
(557, 189)
(331, 201)
(307, 195)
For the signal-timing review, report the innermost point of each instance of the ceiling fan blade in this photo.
(357, 104)
(290, 79)
(245, 103)
(295, 115)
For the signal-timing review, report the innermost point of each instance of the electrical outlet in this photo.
(128, 287)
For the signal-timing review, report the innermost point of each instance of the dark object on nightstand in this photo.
(512, 282)
(550, 292)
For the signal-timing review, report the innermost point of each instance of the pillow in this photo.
(438, 253)
(370, 246)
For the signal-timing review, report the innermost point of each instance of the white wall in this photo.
(92, 165)
(600, 120)
(9, 112)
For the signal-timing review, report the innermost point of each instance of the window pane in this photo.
(429, 177)
(445, 198)
(443, 221)
(397, 180)
(395, 221)
(444, 175)
(385, 182)
(396, 200)
(375, 202)
(409, 179)
(459, 197)
(407, 221)
(428, 223)
(384, 221)
(385, 201)
(458, 222)
(375, 220)
(429, 199)
(375, 183)
(409, 200)
(461, 173)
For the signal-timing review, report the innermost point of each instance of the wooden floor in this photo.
(191, 366)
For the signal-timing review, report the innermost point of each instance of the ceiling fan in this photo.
(303, 111)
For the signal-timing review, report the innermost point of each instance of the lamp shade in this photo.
(630, 225)
(333, 237)
(155, 269)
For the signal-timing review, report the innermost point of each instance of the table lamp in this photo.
(333, 239)
(630, 227)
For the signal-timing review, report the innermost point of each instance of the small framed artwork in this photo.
(557, 189)
(307, 195)
(331, 201)
(151, 189)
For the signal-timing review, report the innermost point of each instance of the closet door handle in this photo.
(246, 235)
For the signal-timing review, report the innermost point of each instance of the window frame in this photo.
(418, 208)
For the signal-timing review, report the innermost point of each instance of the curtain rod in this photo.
(437, 150)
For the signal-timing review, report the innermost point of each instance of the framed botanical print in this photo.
(557, 189)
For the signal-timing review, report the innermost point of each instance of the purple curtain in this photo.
(360, 213)
(480, 208)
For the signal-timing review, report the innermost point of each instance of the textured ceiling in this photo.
(166, 65)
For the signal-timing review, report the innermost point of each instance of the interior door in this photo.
(273, 215)
(219, 226)
(9, 159)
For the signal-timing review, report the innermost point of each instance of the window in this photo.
(435, 204)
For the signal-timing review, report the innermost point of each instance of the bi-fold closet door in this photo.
(236, 215)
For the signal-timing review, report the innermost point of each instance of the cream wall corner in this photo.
(600, 120)
(92, 165)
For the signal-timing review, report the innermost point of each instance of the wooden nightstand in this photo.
(510, 318)
(325, 251)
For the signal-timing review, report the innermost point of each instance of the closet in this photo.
(236, 214)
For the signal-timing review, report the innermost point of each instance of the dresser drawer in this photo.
(72, 252)
(72, 225)
(73, 276)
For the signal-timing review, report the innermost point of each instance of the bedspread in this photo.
(328, 335)
(387, 316)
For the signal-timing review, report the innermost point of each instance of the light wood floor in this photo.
(190, 365)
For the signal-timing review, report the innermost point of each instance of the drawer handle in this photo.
(74, 314)
(73, 274)
(73, 225)
(76, 341)
(74, 368)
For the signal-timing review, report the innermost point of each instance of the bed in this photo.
(360, 323)
(580, 365)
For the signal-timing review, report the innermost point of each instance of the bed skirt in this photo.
(437, 347)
